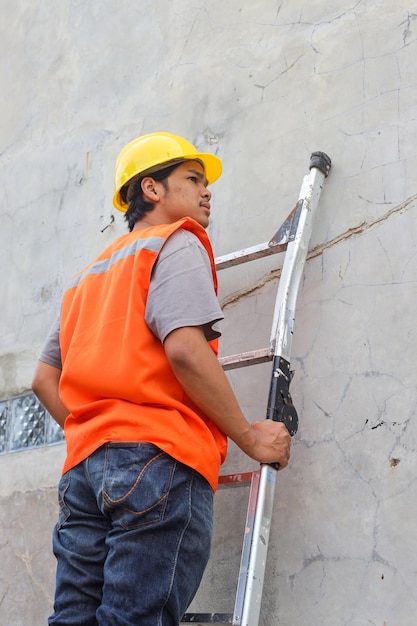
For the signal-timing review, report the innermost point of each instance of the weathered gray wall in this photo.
(261, 84)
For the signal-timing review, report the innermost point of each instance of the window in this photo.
(25, 424)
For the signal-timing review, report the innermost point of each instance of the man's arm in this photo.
(204, 381)
(45, 386)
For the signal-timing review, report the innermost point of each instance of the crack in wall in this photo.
(408, 30)
(319, 250)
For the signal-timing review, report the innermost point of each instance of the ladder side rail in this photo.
(247, 543)
(281, 339)
(251, 596)
(256, 527)
(292, 270)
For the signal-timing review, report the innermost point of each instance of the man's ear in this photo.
(149, 189)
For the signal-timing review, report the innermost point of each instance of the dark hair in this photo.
(131, 194)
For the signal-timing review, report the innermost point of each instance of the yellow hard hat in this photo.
(144, 154)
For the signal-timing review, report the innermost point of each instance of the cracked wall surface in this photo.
(344, 538)
(261, 84)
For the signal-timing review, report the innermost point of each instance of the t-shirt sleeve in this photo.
(51, 350)
(181, 292)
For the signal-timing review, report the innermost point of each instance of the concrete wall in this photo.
(261, 84)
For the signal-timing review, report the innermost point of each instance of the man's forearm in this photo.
(45, 386)
(205, 382)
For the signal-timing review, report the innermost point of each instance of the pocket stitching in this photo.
(109, 501)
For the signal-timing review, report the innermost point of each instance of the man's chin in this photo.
(203, 221)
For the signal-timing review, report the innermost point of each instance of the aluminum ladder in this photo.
(292, 238)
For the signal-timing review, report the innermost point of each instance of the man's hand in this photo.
(269, 442)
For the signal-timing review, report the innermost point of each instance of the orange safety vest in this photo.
(116, 380)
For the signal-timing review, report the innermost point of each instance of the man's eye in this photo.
(193, 179)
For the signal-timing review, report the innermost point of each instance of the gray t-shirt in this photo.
(181, 294)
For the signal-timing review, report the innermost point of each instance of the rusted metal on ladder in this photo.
(292, 238)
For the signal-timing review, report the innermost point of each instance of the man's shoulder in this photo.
(181, 239)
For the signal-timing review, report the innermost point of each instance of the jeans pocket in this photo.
(64, 511)
(137, 480)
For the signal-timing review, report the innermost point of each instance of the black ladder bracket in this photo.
(280, 406)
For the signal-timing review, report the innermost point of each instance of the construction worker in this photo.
(130, 371)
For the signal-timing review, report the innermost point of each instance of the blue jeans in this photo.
(132, 539)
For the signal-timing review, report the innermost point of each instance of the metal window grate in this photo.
(4, 412)
(25, 424)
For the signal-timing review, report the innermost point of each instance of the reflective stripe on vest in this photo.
(153, 244)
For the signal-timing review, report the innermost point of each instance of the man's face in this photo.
(186, 194)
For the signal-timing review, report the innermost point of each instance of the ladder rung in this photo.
(235, 480)
(278, 243)
(207, 618)
(249, 254)
(246, 358)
